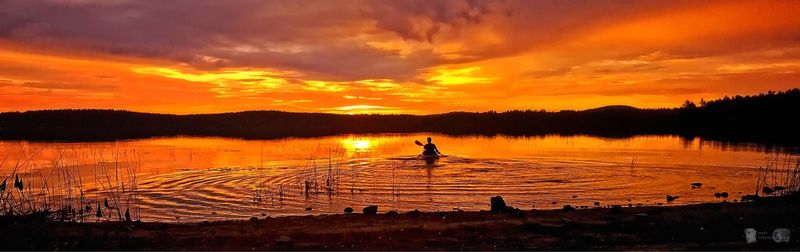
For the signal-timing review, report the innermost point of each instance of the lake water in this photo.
(195, 179)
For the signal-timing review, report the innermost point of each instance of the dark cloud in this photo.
(68, 86)
(4, 83)
(202, 33)
(421, 19)
(326, 39)
(316, 36)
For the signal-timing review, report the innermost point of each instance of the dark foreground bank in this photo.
(704, 226)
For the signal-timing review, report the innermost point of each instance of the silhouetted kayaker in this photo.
(430, 149)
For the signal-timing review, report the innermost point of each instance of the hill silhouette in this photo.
(770, 117)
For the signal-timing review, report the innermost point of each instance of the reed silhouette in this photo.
(767, 118)
(58, 192)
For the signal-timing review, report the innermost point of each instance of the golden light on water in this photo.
(356, 145)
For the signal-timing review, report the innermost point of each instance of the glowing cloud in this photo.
(365, 109)
(458, 76)
(379, 85)
(227, 81)
(360, 107)
(351, 97)
(324, 86)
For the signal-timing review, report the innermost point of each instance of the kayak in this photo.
(429, 159)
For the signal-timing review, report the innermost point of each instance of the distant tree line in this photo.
(770, 117)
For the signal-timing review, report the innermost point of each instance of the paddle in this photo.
(420, 144)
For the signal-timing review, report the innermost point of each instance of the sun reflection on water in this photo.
(356, 145)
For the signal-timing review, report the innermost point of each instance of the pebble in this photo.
(284, 239)
(498, 204)
(370, 210)
(671, 198)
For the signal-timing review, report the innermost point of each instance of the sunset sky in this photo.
(418, 57)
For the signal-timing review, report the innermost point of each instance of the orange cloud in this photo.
(314, 85)
(458, 76)
(226, 82)
(391, 56)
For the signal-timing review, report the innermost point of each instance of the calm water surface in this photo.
(195, 179)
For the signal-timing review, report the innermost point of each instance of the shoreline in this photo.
(707, 226)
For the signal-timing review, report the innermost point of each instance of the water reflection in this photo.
(356, 145)
(218, 178)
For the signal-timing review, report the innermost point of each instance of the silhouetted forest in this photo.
(770, 117)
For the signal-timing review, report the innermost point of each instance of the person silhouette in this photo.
(430, 149)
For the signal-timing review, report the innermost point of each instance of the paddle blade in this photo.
(418, 143)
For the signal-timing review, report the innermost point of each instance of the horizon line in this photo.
(768, 92)
(329, 113)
